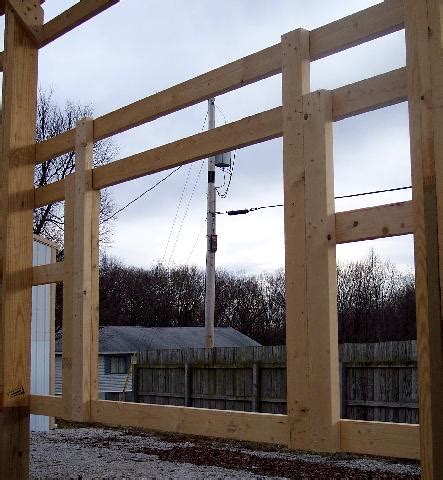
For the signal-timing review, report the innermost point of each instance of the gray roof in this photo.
(131, 339)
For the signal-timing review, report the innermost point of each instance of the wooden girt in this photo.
(58, 26)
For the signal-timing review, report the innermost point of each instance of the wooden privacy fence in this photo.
(312, 228)
(378, 381)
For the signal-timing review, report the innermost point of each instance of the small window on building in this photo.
(116, 364)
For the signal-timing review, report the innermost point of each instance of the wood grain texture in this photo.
(425, 78)
(370, 94)
(30, 15)
(229, 77)
(51, 193)
(380, 438)
(360, 27)
(51, 273)
(321, 281)
(68, 378)
(295, 78)
(248, 131)
(253, 427)
(18, 155)
(83, 316)
(47, 405)
(73, 17)
(374, 222)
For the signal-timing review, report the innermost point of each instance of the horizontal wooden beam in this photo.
(245, 71)
(361, 27)
(248, 131)
(49, 405)
(51, 193)
(72, 18)
(374, 222)
(384, 439)
(371, 94)
(247, 426)
(367, 95)
(50, 273)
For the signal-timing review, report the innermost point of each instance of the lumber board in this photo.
(49, 405)
(296, 79)
(247, 426)
(374, 222)
(73, 17)
(240, 73)
(81, 312)
(248, 131)
(50, 273)
(321, 279)
(52, 147)
(3, 3)
(68, 377)
(358, 28)
(425, 78)
(399, 440)
(370, 94)
(17, 158)
(95, 293)
(51, 193)
(30, 14)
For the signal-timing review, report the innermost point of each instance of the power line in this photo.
(181, 198)
(375, 191)
(186, 212)
(177, 210)
(244, 211)
(149, 189)
(141, 195)
(196, 240)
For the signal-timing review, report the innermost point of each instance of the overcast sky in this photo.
(140, 47)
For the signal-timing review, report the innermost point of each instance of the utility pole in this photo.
(211, 239)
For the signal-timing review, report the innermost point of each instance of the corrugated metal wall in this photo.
(42, 305)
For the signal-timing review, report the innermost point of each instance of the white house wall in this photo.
(40, 336)
(107, 383)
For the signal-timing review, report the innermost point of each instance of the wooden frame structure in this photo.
(312, 229)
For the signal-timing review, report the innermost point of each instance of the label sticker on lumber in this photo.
(16, 392)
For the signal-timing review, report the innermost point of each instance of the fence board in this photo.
(379, 381)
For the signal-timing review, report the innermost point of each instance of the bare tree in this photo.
(51, 121)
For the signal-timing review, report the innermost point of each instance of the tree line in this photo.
(375, 300)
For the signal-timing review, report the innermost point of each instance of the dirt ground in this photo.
(86, 452)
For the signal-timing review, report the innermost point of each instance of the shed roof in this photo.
(130, 339)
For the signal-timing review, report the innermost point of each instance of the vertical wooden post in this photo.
(80, 328)
(321, 278)
(17, 202)
(311, 305)
(255, 404)
(425, 95)
(295, 78)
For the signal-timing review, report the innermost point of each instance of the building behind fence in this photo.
(378, 381)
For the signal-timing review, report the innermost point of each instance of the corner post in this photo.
(16, 204)
(425, 96)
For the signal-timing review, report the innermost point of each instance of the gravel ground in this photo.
(101, 453)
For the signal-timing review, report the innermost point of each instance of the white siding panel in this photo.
(106, 383)
(40, 336)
